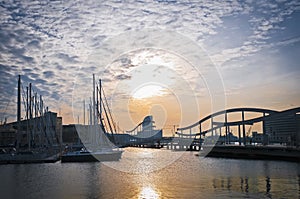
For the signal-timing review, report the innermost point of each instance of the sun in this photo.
(147, 91)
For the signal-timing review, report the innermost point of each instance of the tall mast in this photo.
(83, 112)
(35, 105)
(41, 106)
(30, 101)
(91, 112)
(30, 116)
(27, 103)
(94, 103)
(19, 112)
(100, 103)
(19, 100)
(97, 103)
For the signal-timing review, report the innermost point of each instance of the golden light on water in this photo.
(148, 193)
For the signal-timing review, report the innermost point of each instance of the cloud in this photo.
(50, 42)
(122, 77)
(48, 74)
(66, 58)
(265, 18)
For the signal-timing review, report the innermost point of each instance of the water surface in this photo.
(151, 173)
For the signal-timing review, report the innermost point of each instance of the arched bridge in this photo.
(218, 121)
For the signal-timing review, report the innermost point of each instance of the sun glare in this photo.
(148, 91)
(148, 193)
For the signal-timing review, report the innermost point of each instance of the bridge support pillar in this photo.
(244, 130)
(200, 129)
(226, 128)
(220, 132)
(239, 129)
(212, 126)
(226, 136)
(265, 137)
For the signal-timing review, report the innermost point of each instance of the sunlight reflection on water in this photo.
(148, 193)
(187, 177)
(143, 160)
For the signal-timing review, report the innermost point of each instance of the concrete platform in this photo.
(253, 152)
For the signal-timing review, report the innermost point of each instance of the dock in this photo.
(28, 158)
(253, 152)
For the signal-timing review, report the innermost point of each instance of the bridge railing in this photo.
(216, 127)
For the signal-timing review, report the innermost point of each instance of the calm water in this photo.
(150, 173)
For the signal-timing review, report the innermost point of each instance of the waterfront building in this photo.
(283, 128)
(148, 130)
(145, 133)
(230, 138)
(42, 131)
(257, 137)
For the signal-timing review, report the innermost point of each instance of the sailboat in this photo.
(98, 144)
(33, 138)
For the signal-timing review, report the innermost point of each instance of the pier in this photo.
(254, 152)
(279, 140)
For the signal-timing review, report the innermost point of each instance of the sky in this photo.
(176, 60)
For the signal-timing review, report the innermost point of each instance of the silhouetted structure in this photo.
(278, 127)
(37, 137)
(39, 132)
(144, 134)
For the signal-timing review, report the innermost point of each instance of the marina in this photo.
(39, 138)
(203, 160)
(98, 146)
(149, 99)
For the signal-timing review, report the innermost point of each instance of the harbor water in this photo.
(153, 173)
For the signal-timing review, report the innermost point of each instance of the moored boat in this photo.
(97, 145)
(97, 156)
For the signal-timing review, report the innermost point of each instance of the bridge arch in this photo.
(267, 114)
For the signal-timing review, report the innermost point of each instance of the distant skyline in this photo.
(254, 46)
